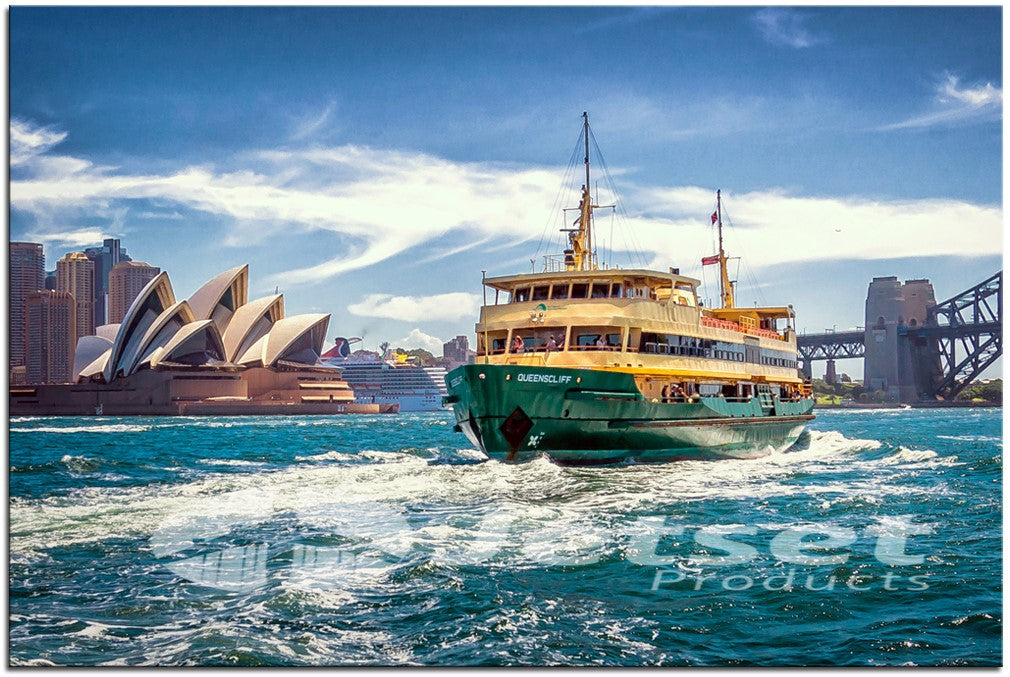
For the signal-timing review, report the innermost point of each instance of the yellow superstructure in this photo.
(639, 321)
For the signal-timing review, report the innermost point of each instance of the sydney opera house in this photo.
(213, 353)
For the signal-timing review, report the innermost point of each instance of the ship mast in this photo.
(725, 286)
(580, 255)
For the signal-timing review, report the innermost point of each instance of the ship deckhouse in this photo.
(638, 320)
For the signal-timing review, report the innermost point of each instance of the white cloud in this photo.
(440, 307)
(162, 216)
(773, 227)
(785, 27)
(979, 96)
(28, 141)
(383, 204)
(81, 237)
(310, 125)
(957, 104)
(418, 339)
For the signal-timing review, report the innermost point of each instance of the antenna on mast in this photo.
(580, 255)
(725, 286)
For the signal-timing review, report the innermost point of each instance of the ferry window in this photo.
(498, 344)
(586, 340)
(648, 342)
(709, 389)
(540, 293)
(542, 336)
(579, 291)
(615, 290)
(559, 291)
(522, 295)
(601, 290)
(614, 340)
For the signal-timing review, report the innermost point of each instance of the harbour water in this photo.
(384, 540)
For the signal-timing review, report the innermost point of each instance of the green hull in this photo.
(586, 416)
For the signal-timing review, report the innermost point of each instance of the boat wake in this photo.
(415, 481)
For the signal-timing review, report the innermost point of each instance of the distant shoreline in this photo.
(911, 405)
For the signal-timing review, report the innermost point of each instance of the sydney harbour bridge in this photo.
(913, 348)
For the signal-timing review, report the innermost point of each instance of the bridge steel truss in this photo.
(831, 346)
(967, 333)
(835, 346)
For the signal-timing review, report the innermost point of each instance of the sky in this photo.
(371, 162)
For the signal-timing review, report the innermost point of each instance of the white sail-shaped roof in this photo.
(161, 331)
(216, 325)
(253, 356)
(200, 338)
(221, 296)
(96, 367)
(250, 323)
(154, 298)
(107, 331)
(89, 349)
(297, 339)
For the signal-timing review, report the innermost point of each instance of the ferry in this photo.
(595, 365)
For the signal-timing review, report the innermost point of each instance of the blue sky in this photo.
(371, 162)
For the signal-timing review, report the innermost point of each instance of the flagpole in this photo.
(722, 255)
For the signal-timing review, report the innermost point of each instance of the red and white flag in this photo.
(709, 260)
(715, 216)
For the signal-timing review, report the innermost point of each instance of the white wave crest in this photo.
(232, 462)
(972, 438)
(79, 464)
(114, 428)
(328, 456)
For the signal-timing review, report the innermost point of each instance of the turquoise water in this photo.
(384, 540)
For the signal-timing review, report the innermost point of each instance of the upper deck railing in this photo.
(734, 326)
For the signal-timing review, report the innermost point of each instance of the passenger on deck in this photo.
(601, 342)
(551, 344)
(517, 345)
(666, 393)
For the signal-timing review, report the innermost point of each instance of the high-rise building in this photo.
(75, 273)
(457, 350)
(50, 320)
(105, 257)
(27, 275)
(126, 280)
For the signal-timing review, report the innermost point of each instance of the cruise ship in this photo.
(393, 380)
(587, 364)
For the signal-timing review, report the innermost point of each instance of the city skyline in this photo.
(370, 162)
